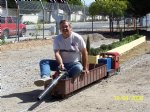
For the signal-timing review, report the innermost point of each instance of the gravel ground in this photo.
(127, 92)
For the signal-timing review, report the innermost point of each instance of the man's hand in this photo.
(85, 60)
(61, 67)
(86, 71)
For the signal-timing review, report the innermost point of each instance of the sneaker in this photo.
(43, 81)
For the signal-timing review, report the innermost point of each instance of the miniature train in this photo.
(107, 65)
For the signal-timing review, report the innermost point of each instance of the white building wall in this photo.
(9, 12)
(34, 18)
(30, 18)
(143, 20)
(78, 16)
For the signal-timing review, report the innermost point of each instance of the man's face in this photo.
(65, 29)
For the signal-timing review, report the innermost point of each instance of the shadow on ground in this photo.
(26, 97)
(31, 97)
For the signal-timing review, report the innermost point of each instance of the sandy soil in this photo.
(129, 91)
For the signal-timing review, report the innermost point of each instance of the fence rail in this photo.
(40, 18)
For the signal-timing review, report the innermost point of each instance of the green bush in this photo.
(88, 45)
(2, 41)
(105, 48)
(94, 51)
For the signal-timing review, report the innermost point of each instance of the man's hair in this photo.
(63, 21)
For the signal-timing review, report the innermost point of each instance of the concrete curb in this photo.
(124, 48)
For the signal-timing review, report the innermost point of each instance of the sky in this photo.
(88, 2)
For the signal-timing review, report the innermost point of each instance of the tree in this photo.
(94, 9)
(114, 9)
(109, 7)
(138, 8)
(11, 4)
(75, 2)
(53, 1)
(88, 46)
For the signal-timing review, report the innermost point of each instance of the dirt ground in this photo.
(129, 91)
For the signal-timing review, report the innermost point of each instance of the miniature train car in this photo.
(67, 86)
(111, 59)
(107, 64)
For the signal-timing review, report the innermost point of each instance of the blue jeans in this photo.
(46, 66)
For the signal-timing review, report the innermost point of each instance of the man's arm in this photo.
(59, 59)
(85, 60)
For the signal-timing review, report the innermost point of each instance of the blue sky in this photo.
(88, 2)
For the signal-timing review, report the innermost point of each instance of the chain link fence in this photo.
(41, 19)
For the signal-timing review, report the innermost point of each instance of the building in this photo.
(145, 21)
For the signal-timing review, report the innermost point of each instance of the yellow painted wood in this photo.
(122, 49)
(93, 59)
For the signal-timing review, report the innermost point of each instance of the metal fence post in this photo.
(84, 12)
(57, 20)
(18, 12)
(43, 17)
(6, 7)
(69, 13)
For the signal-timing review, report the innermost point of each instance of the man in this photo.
(70, 51)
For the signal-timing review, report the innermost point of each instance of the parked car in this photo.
(8, 27)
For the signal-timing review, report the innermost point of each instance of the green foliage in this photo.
(138, 8)
(108, 7)
(11, 4)
(38, 27)
(88, 45)
(94, 51)
(75, 2)
(94, 9)
(105, 48)
(2, 41)
(91, 51)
